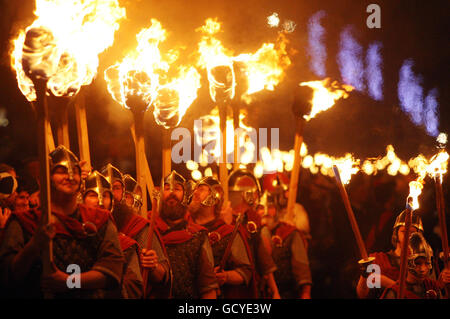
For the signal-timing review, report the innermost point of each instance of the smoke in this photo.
(350, 60)
(410, 92)
(316, 47)
(374, 76)
(431, 119)
(411, 96)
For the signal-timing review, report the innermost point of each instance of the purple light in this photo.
(316, 48)
(350, 60)
(410, 92)
(431, 119)
(374, 76)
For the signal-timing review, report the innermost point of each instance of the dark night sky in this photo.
(416, 30)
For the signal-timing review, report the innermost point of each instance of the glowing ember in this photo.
(273, 20)
(325, 95)
(63, 43)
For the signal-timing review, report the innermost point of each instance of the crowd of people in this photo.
(196, 242)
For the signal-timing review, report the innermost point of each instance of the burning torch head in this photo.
(416, 222)
(97, 183)
(62, 156)
(133, 192)
(302, 101)
(244, 182)
(166, 111)
(419, 248)
(39, 54)
(222, 83)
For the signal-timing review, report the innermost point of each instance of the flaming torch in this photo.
(76, 33)
(171, 104)
(133, 83)
(437, 169)
(412, 203)
(322, 97)
(365, 259)
(51, 56)
(222, 82)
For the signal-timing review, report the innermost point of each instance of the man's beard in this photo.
(170, 212)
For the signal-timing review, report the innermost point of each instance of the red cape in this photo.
(430, 284)
(284, 230)
(66, 225)
(176, 236)
(126, 242)
(387, 269)
(134, 225)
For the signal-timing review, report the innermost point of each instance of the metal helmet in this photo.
(416, 221)
(276, 184)
(97, 183)
(243, 180)
(62, 156)
(112, 174)
(418, 247)
(175, 178)
(8, 185)
(216, 195)
(132, 188)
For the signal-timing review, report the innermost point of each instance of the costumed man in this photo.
(127, 202)
(244, 194)
(389, 262)
(293, 275)
(278, 185)
(418, 284)
(97, 192)
(187, 245)
(82, 236)
(204, 208)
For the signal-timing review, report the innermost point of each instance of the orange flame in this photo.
(63, 43)
(264, 68)
(325, 95)
(143, 73)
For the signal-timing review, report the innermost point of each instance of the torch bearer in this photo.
(411, 205)
(365, 260)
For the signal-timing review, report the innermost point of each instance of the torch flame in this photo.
(264, 68)
(415, 189)
(143, 73)
(63, 43)
(137, 74)
(325, 95)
